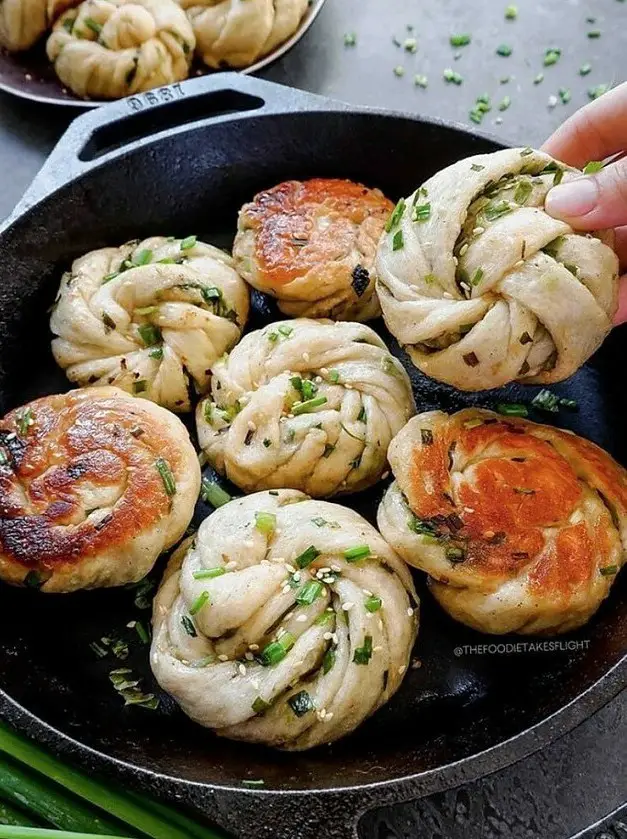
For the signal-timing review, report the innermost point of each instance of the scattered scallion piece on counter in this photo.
(512, 409)
(410, 45)
(163, 468)
(214, 494)
(552, 56)
(593, 167)
(564, 95)
(504, 50)
(539, 78)
(594, 33)
(399, 71)
(452, 76)
(350, 39)
(598, 90)
(585, 69)
(265, 522)
(505, 102)
(461, 40)
(356, 553)
(420, 80)
(511, 12)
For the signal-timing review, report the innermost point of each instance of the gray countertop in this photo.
(578, 780)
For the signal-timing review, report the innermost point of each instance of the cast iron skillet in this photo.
(182, 160)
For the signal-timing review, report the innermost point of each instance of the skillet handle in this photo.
(114, 129)
(613, 826)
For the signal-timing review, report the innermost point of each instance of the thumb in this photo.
(592, 202)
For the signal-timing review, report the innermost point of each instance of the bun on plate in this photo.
(107, 49)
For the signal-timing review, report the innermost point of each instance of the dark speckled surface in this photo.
(578, 780)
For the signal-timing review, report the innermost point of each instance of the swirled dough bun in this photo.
(306, 404)
(150, 317)
(521, 527)
(107, 49)
(312, 245)
(23, 22)
(286, 621)
(237, 33)
(94, 485)
(483, 287)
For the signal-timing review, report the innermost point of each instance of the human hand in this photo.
(592, 202)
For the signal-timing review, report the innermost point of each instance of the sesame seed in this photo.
(253, 647)
(478, 231)
(242, 670)
(447, 295)
(377, 649)
(306, 356)
(463, 248)
(324, 371)
(347, 606)
(251, 426)
(286, 588)
(402, 669)
(455, 260)
(348, 386)
(249, 656)
(325, 570)
(327, 636)
(318, 380)
(328, 716)
(328, 580)
(336, 568)
(290, 568)
(301, 618)
(334, 638)
(488, 534)
(289, 615)
(223, 657)
(519, 264)
(385, 476)
(380, 624)
(469, 509)
(367, 592)
(410, 612)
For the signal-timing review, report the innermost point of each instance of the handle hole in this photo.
(135, 126)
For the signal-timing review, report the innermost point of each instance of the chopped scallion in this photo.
(265, 522)
(213, 494)
(357, 553)
(163, 468)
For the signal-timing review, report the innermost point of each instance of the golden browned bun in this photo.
(23, 22)
(94, 485)
(151, 317)
(285, 621)
(521, 527)
(237, 33)
(107, 49)
(312, 245)
(483, 287)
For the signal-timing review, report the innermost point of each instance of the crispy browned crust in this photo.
(76, 445)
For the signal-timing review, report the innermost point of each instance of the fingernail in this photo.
(573, 199)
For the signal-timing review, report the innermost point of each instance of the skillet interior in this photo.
(194, 183)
